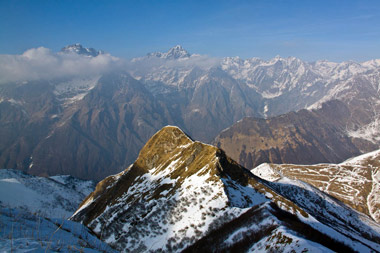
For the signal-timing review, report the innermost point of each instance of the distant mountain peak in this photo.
(179, 51)
(77, 48)
(176, 52)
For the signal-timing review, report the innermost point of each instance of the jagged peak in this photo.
(77, 48)
(177, 48)
(176, 52)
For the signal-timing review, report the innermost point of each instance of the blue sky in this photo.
(311, 30)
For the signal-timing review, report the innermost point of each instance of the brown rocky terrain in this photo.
(303, 137)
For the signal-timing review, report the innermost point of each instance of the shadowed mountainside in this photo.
(303, 137)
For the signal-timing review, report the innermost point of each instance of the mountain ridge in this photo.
(174, 53)
(179, 191)
(303, 137)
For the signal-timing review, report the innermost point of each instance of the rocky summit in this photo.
(184, 195)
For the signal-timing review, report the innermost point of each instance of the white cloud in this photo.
(42, 63)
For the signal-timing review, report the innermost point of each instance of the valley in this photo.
(108, 117)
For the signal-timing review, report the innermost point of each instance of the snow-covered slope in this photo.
(182, 194)
(355, 182)
(25, 232)
(55, 197)
(75, 89)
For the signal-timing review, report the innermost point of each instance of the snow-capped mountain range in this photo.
(303, 137)
(282, 84)
(107, 117)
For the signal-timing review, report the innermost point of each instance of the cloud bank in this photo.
(43, 64)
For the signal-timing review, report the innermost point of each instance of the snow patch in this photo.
(269, 95)
(265, 171)
(370, 132)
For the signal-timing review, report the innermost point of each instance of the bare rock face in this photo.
(182, 194)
